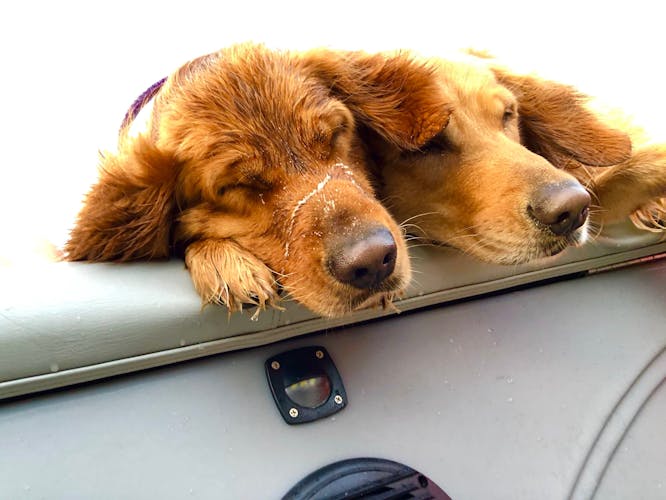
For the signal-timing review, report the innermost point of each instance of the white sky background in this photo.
(71, 69)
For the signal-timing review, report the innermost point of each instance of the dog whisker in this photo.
(406, 227)
(404, 222)
(416, 238)
(420, 245)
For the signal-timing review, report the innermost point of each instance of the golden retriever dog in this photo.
(520, 167)
(251, 168)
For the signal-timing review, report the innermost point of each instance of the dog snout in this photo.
(364, 261)
(563, 208)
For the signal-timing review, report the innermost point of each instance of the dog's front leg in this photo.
(227, 274)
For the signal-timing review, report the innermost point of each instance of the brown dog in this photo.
(502, 181)
(251, 167)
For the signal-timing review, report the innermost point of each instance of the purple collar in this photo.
(140, 102)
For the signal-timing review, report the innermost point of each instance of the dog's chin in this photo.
(543, 246)
(382, 300)
(383, 296)
(575, 239)
(340, 300)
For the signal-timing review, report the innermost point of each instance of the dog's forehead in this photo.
(472, 80)
(251, 103)
(279, 117)
(274, 96)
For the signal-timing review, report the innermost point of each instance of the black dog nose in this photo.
(561, 207)
(364, 261)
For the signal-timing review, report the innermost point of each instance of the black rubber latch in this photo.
(305, 384)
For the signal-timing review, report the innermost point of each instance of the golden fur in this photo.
(252, 169)
(508, 137)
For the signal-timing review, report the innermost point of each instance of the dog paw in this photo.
(224, 273)
(651, 217)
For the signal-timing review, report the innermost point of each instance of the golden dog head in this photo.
(493, 182)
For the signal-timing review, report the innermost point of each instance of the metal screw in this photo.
(293, 413)
(319, 354)
(275, 365)
(338, 399)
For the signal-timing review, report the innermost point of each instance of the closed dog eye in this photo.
(254, 185)
(235, 195)
(247, 173)
(240, 199)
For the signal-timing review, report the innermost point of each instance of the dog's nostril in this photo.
(563, 218)
(364, 261)
(361, 273)
(563, 208)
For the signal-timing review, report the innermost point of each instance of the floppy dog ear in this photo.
(555, 124)
(128, 213)
(395, 94)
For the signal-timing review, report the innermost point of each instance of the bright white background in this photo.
(71, 69)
